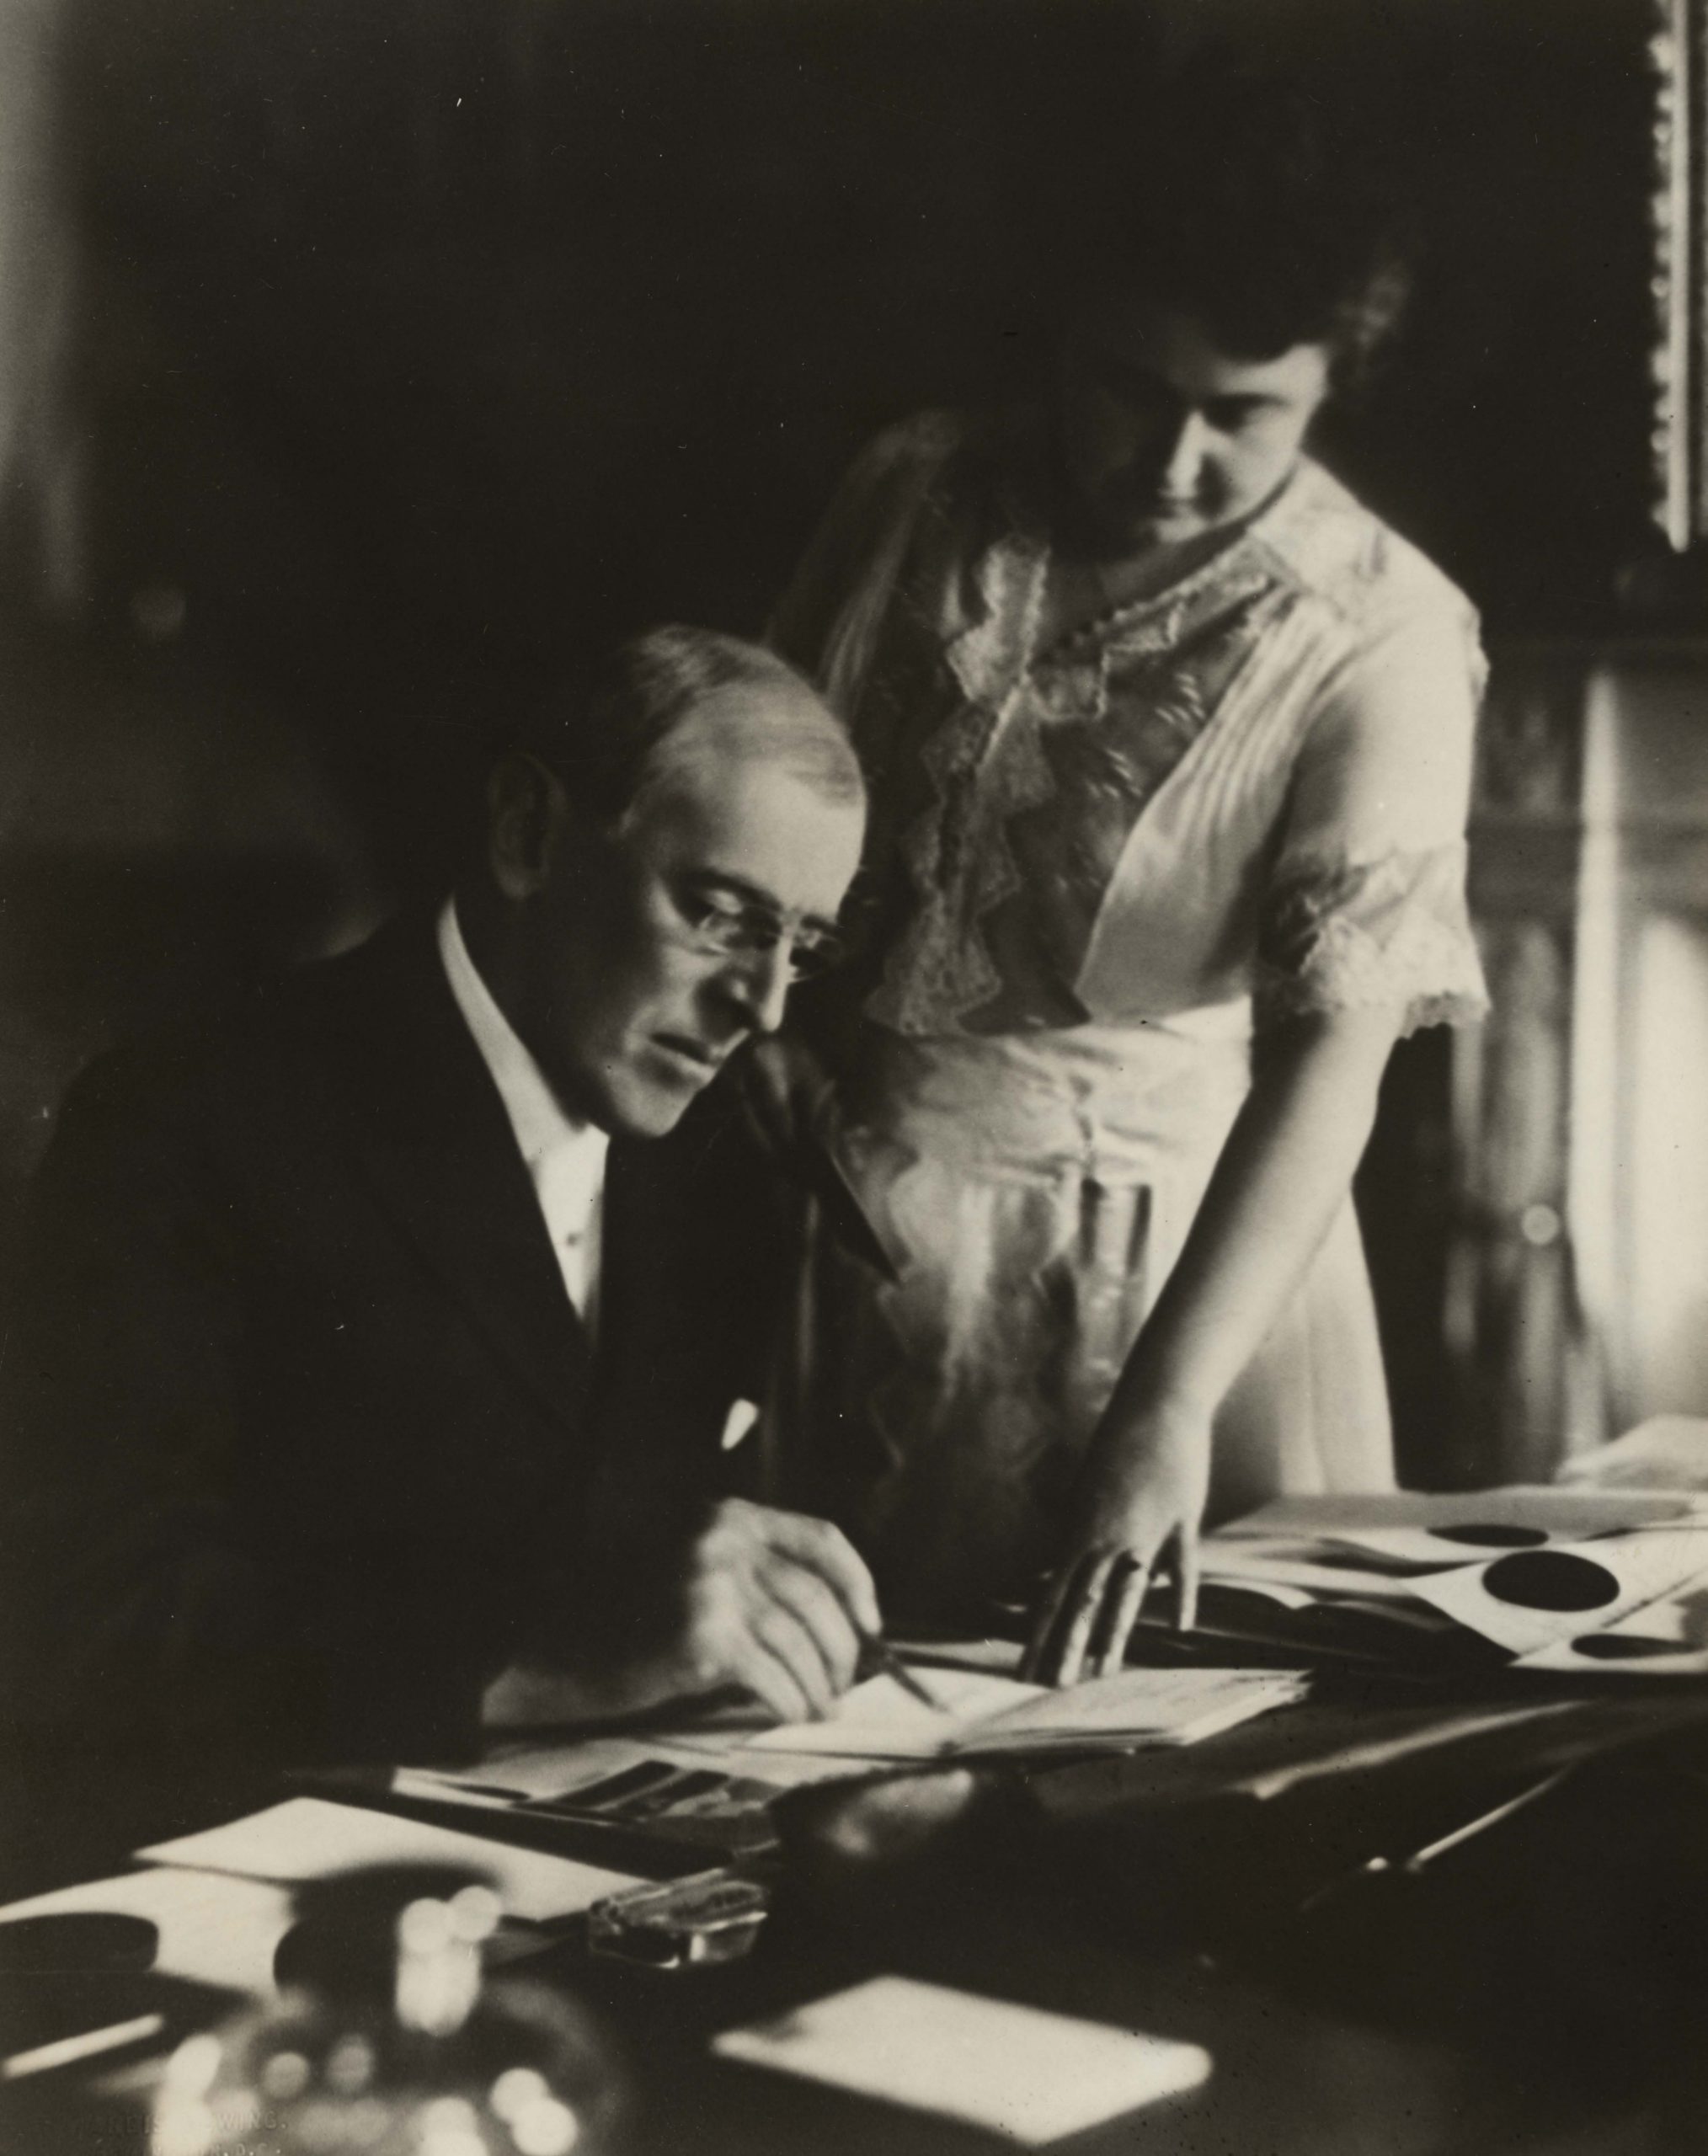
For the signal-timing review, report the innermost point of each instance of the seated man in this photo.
(304, 1425)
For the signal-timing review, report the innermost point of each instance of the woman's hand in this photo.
(1141, 1497)
(1283, 1174)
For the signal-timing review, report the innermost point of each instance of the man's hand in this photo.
(771, 1601)
(777, 1602)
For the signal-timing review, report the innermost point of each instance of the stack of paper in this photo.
(222, 1899)
(1546, 1578)
(981, 1716)
(307, 1838)
(708, 1794)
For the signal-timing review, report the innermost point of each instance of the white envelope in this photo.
(1015, 2070)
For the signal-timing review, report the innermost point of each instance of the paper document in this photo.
(549, 1774)
(880, 1720)
(1542, 1505)
(714, 1795)
(981, 1715)
(1667, 1638)
(1531, 1598)
(307, 1837)
(1324, 1566)
(1431, 1581)
(214, 1929)
(1014, 2070)
(1137, 1707)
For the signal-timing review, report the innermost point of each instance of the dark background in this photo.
(428, 329)
(405, 347)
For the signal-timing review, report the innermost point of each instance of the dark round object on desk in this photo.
(1551, 1579)
(1624, 1647)
(77, 1942)
(1488, 1535)
(343, 1943)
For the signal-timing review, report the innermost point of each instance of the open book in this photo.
(980, 1715)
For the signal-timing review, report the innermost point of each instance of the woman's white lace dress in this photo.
(1097, 868)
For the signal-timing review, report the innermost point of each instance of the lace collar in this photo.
(993, 646)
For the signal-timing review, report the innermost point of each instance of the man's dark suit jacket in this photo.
(303, 1439)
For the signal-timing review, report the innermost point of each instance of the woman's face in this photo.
(1164, 435)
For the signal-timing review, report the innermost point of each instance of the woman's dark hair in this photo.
(1259, 198)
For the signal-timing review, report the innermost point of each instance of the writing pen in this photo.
(875, 1653)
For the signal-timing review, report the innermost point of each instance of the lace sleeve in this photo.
(1365, 903)
(1361, 935)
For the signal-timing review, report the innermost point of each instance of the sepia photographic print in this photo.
(853, 992)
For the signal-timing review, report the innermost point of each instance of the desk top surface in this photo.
(1537, 1986)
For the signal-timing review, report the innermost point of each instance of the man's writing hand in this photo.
(771, 1601)
(776, 1603)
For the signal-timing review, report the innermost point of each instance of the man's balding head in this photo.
(666, 850)
(676, 695)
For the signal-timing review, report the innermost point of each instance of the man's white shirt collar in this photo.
(565, 1158)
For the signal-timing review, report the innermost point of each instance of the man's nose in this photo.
(760, 984)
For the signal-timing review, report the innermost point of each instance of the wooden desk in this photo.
(1302, 2067)
(1545, 1989)
(1545, 1994)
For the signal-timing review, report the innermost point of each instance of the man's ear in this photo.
(526, 809)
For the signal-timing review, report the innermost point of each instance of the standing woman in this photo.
(1170, 741)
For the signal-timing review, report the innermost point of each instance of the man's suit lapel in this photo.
(437, 1147)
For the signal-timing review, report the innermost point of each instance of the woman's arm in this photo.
(1283, 1177)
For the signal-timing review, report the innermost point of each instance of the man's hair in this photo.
(625, 727)
(1261, 200)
